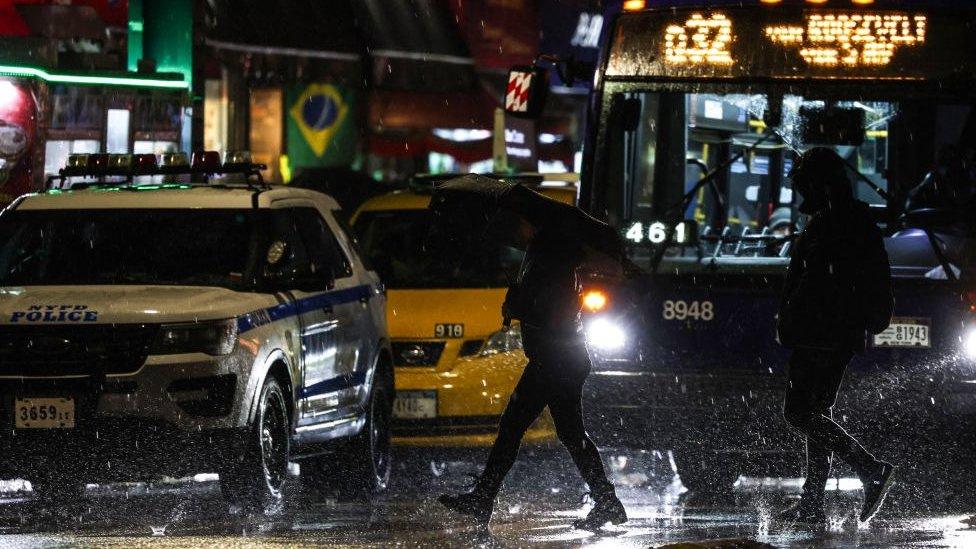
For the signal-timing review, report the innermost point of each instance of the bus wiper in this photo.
(707, 179)
(874, 187)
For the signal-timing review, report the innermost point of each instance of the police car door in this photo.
(334, 346)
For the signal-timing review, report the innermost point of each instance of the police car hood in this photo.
(124, 304)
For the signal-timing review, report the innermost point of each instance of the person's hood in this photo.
(32, 305)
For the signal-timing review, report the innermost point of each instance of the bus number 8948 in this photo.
(683, 310)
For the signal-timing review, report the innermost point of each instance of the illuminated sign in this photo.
(684, 233)
(851, 39)
(588, 30)
(825, 39)
(700, 40)
(753, 42)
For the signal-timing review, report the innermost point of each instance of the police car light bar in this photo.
(204, 163)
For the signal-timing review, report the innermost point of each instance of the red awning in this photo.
(415, 144)
(397, 146)
(404, 110)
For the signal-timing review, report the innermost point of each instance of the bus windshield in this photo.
(695, 156)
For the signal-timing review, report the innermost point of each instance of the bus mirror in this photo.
(527, 89)
(930, 219)
(832, 126)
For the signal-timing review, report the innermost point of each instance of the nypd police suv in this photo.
(176, 327)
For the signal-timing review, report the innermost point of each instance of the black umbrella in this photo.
(475, 205)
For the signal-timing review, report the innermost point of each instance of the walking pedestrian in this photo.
(838, 287)
(545, 301)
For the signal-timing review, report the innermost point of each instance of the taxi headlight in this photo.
(212, 338)
(969, 343)
(605, 335)
(503, 341)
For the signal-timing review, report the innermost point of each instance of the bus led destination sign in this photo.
(827, 39)
(795, 43)
(851, 39)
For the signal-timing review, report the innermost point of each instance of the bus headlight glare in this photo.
(969, 344)
(605, 335)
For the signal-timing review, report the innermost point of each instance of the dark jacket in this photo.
(839, 282)
(545, 299)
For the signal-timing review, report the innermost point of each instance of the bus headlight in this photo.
(604, 334)
(969, 343)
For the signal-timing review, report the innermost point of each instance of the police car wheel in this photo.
(370, 455)
(360, 466)
(258, 477)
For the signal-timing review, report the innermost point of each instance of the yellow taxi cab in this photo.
(456, 365)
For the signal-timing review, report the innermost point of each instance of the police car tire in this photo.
(246, 480)
(351, 472)
(369, 458)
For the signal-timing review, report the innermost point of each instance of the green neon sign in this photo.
(135, 82)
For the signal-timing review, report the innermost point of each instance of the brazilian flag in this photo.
(321, 125)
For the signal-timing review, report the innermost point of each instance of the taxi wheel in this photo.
(369, 458)
(257, 478)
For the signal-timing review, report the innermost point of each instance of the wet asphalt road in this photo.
(536, 509)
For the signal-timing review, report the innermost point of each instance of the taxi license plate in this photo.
(44, 413)
(905, 332)
(415, 405)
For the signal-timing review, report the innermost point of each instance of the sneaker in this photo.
(472, 504)
(605, 510)
(875, 489)
(803, 512)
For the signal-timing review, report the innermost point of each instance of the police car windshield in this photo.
(661, 144)
(393, 242)
(148, 246)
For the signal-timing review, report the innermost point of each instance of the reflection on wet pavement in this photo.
(536, 508)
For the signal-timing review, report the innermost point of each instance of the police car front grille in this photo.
(51, 351)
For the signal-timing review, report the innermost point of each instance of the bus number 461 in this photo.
(657, 233)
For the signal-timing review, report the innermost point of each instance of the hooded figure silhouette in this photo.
(546, 302)
(837, 288)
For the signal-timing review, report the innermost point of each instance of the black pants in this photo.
(554, 379)
(815, 377)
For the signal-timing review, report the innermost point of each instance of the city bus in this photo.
(697, 115)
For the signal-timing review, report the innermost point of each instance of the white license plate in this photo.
(905, 332)
(415, 405)
(44, 413)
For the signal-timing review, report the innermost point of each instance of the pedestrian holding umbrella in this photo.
(560, 241)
